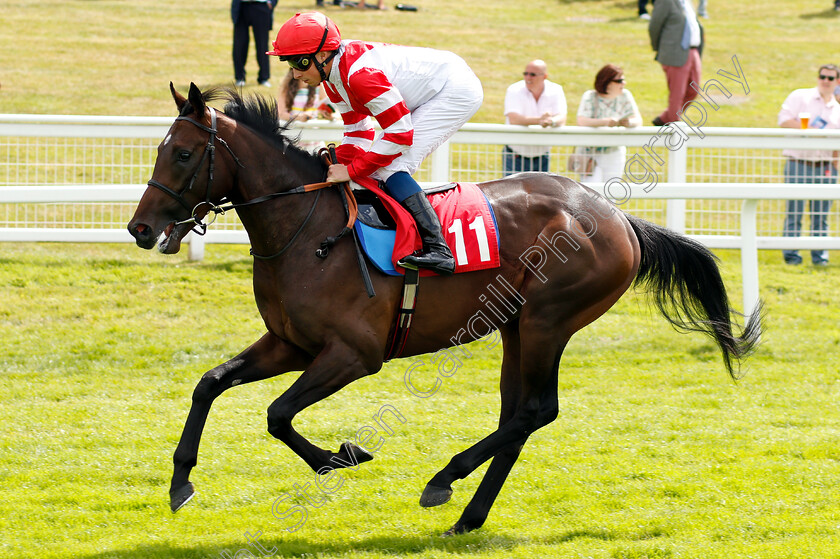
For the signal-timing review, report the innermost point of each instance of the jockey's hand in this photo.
(338, 173)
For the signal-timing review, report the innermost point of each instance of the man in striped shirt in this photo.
(418, 96)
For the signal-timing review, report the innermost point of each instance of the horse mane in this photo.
(260, 115)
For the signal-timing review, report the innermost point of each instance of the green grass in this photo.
(115, 57)
(656, 453)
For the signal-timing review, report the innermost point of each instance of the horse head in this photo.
(188, 180)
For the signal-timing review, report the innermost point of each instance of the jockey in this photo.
(419, 96)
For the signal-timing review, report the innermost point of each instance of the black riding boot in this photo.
(436, 254)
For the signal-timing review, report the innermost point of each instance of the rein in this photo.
(350, 206)
(348, 200)
(209, 150)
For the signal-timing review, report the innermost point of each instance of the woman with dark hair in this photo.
(296, 99)
(609, 104)
(303, 102)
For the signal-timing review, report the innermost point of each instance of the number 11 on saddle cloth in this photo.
(469, 228)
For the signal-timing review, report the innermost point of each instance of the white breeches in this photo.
(436, 120)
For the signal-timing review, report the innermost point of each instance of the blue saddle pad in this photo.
(378, 244)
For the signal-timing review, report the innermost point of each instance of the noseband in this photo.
(209, 151)
(349, 201)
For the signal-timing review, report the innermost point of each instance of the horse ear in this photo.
(180, 100)
(196, 100)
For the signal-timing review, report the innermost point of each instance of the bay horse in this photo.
(567, 253)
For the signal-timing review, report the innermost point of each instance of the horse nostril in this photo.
(139, 230)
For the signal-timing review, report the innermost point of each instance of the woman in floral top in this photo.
(609, 104)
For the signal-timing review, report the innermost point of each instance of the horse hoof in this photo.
(350, 453)
(433, 496)
(181, 497)
(457, 529)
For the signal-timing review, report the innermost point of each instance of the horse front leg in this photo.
(334, 368)
(268, 357)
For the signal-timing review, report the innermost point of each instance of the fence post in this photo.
(749, 255)
(196, 251)
(675, 209)
(440, 164)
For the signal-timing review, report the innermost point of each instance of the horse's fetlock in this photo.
(185, 463)
(469, 521)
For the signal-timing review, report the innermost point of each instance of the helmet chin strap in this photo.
(320, 65)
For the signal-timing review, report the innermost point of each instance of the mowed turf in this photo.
(656, 453)
(117, 57)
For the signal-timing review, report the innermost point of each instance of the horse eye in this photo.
(183, 155)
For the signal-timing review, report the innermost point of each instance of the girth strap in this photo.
(405, 314)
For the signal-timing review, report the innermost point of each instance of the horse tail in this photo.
(684, 279)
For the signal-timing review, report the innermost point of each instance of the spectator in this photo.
(816, 107)
(256, 15)
(301, 101)
(609, 104)
(419, 97)
(380, 5)
(643, 13)
(677, 38)
(532, 100)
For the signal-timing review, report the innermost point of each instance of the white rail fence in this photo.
(78, 178)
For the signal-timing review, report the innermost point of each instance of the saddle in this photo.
(466, 216)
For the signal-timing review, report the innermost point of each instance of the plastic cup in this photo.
(804, 120)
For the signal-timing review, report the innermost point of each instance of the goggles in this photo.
(301, 62)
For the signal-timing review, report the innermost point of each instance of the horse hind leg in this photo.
(491, 484)
(476, 511)
(268, 357)
(535, 406)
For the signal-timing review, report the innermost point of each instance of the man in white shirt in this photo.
(813, 107)
(532, 100)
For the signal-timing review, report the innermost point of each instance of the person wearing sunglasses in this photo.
(815, 108)
(609, 104)
(533, 100)
(419, 97)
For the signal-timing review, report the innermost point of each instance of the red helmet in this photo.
(306, 33)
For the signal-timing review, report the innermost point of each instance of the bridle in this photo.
(209, 152)
(200, 228)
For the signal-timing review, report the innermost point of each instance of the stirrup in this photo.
(444, 266)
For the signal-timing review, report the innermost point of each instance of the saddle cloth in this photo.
(469, 228)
